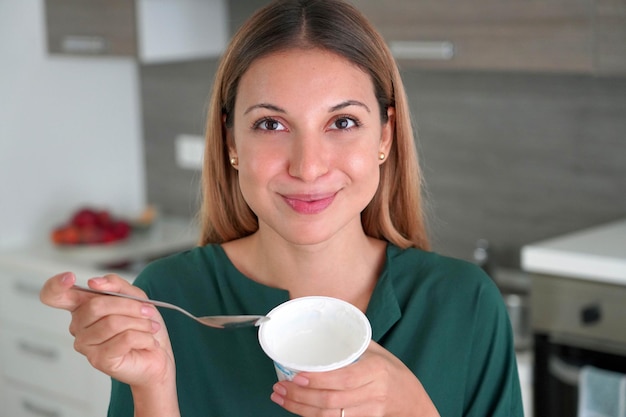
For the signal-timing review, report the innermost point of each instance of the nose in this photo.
(309, 158)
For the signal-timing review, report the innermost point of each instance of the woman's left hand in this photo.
(377, 385)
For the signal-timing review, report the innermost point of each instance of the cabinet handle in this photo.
(564, 372)
(39, 410)
(430, 50)
(591, 314)
(80, 44)
(44, 352)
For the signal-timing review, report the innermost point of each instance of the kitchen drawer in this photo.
(44, 360)
(578, 308)
(19, 302)
(19, 402)
(547, 36)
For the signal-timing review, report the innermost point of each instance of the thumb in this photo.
(56, 292)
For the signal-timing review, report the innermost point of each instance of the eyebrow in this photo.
(349, 103)
(265, 106)
(335, 108)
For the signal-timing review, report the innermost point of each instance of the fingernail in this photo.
(98, 280)
(155, 326)
(147, 310)
(66, 278)
(277, 399)
(279, 389)
(300, 380)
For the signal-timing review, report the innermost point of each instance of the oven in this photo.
(575, 322)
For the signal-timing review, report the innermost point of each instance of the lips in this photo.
(309, 204)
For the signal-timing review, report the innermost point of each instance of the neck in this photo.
(336, 268)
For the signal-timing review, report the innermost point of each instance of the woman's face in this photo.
(307, 135)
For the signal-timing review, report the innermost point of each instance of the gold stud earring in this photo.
(381, 156)
(234, 161)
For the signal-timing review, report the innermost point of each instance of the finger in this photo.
(110, 355)
(350, 377)
(115, 283)
(115, 305)
(357, 374)
(56, 292)
(110, 326)
(304, 409)
(97, 307)
(325, 398)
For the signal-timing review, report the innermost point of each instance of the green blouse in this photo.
(444, 318)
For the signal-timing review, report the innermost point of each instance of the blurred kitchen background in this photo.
(519, 109)
(523, 138)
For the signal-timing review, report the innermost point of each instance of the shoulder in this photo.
(446, 287)
(456, 313)
(415, 268)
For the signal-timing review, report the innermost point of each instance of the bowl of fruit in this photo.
(91, 226)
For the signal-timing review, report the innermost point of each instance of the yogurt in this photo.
(314, 334)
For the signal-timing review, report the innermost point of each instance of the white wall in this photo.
(70, 130)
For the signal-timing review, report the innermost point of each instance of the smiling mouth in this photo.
(309, 204)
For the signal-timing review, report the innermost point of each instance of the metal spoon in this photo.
(220, 322)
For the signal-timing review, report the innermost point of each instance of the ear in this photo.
(387, 133)
(228, 136)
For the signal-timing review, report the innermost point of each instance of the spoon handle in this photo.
(132, 297)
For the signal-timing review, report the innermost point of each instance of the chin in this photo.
(306, 238)
(306, 241)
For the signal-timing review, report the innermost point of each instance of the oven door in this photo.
(575, 323)
(556, 373)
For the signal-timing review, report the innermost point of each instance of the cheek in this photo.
(260, 163)
(364, 169)
(256, 169)
(361, 159)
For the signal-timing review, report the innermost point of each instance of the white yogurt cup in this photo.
(314, 334)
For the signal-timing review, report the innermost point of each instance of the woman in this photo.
(311, 187)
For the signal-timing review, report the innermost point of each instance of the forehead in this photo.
(304, 72)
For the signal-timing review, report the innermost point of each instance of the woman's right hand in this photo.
(123, 338)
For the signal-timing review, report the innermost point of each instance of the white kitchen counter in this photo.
(597, 253)
(166, 236)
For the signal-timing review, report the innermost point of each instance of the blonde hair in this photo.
(395, 213)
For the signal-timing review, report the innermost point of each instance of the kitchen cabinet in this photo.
(590, 313)
(610, 36)
(578, 287)
(564, 36)
(153, 31)
(40, 372)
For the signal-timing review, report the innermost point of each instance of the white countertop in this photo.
(166, 236)
(597, 253)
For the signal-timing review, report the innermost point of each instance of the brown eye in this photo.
(269, 124)
(343, 123)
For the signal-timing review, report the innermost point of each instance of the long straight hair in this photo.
(396, 211)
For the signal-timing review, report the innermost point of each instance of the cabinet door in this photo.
(44, 361)
(535, 35)
(98, 27)
(610, 36)
(19, 302)
(179, 30)
(19, 402)
(47, 363)
(152, 31)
